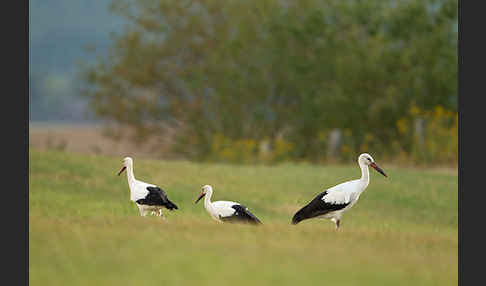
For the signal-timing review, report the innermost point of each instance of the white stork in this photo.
(225, 211)
(148, 197)
(333, 202)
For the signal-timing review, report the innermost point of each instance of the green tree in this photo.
(270, 69)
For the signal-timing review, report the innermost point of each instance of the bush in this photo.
(232, 75)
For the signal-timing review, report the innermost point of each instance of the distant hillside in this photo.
(59, 32)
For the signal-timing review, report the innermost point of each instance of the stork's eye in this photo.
(368, 159)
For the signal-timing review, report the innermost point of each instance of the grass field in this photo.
(83, 229)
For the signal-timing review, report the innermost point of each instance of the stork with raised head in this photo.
(225, 211)
(333, 202)
(148, 197)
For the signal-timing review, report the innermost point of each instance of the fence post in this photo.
(419, 135)
(335, 141)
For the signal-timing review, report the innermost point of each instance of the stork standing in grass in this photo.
(148, 197)
(225, 211)
(333, 202)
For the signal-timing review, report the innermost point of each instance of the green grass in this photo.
(83, 229)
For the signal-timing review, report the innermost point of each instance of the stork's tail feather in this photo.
(170, 205)
(251, 217)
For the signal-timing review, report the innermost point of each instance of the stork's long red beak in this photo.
(378, 169)
(122, 169)
(200, 197)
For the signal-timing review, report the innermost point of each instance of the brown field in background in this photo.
(92, 139)
(89, 139)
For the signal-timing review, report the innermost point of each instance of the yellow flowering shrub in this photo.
(249, 150)
(438, 142)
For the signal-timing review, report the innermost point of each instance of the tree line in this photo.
(272, 80)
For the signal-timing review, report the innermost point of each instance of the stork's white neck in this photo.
(365, 175)
(208, 205)
(207, 200)
(130, 175)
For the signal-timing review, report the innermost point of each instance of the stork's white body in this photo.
(333, 202)
(345, 193)
(225, 210)
(218, 209)
(139, 191)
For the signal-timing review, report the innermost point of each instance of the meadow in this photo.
(84, 230)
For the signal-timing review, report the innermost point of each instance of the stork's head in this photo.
(367, 160)
(205, 189)
(127, 161)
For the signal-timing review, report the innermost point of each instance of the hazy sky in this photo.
(59, 31)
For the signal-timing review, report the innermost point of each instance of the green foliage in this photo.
(262, 70)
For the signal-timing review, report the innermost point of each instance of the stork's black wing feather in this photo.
(242, 214)
(315, 208)
(157, 197)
